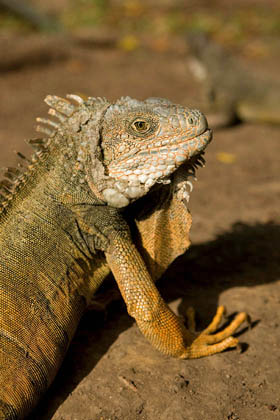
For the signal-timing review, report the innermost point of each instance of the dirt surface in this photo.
(111, 371)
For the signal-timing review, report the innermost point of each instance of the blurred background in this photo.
(195, 52)
(223, 57)
(188, 51)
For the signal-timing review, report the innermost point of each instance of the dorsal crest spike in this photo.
(37, 144)
(11, 173)
(75, 98)
(124, 99)
(44, 130)
(36, 141)
(58, 115)
(23, 157)
(60, 104)
(101, 99)
(98, 99)
(6, 185)
(127, 100)
(15, 171)
(48, 122)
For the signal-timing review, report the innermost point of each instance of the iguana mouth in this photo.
(201, 143)
(140, 175)
(202, 140)
(161, 160)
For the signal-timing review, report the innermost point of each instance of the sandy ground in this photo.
(111, 371)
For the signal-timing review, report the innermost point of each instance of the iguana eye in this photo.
(141, 126)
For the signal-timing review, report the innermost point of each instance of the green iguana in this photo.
(232, 93)
(30, 14)
(107, 190)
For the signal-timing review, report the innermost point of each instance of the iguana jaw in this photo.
(131, 184)
(158, 162)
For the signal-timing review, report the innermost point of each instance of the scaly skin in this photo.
(106, 191)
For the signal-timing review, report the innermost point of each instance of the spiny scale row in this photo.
(61, 108)
(15, 177)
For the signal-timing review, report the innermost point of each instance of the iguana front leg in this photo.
(154, 318)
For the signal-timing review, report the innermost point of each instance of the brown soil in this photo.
(111, 371)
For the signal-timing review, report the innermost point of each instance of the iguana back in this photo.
(45, 281)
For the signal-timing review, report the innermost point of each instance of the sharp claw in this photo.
(239, 347)
(249, 321)
(225, 312)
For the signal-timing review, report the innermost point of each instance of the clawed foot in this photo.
(208, 342)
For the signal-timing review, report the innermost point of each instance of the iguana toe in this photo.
(207, 343)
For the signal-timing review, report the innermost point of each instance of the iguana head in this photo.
(122, 150)
(116, 151)
(144, 142)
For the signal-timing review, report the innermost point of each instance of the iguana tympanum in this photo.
(106, 191)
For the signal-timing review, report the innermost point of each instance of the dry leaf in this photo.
(225, 157)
